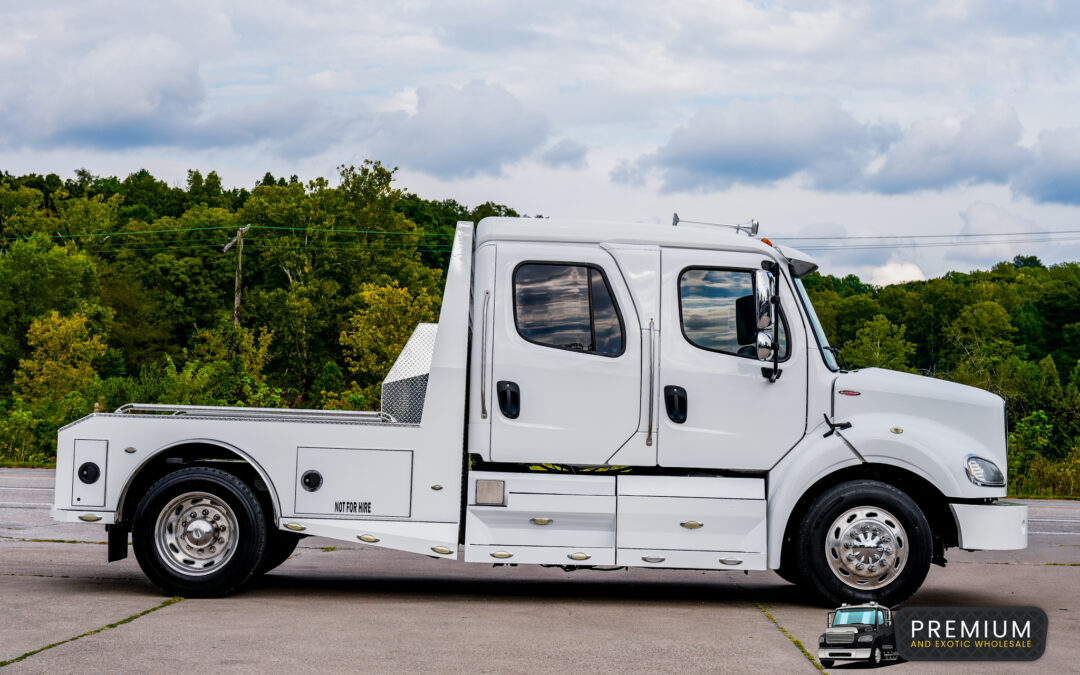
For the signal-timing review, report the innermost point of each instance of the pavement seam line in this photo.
(170, 601)
(794, 640)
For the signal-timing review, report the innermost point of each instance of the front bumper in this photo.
(1000, 526)
(841, 653)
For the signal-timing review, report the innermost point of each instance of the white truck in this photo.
(593, 395)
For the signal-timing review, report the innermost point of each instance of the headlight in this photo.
(866, 638)
(983, 472)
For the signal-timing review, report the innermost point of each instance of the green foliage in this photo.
(880, 344)
(117, 290)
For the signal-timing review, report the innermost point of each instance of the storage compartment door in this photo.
(354, 482)
(692, 524)
(88, 485)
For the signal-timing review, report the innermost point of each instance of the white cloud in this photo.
(564, 153)
(936, 154)
(896, 273)
(476, 129)
(1054, 175)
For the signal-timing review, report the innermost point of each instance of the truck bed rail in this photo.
(369, 417)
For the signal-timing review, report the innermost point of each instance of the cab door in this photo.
(566, 356)
(717, 409)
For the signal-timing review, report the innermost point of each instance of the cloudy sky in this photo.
(818, 119)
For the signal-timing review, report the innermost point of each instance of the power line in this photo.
(929, 244)
(930, 236)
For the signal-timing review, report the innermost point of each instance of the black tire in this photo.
(213, 498)
(826, 663)
(279, 546)
(911, 539)
(876, 657)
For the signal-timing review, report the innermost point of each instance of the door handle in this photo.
(675, 400)
(509, 398)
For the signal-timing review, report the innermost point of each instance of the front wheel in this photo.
(199, 532)
(875, 656)
(864, 541)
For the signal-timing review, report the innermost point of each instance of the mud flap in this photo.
(118, 541)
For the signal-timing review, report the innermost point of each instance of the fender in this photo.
(202, 441)
(928, 449)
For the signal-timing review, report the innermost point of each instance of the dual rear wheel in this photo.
(202, 532)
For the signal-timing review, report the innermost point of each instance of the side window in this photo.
(710, 300)
(567, 307)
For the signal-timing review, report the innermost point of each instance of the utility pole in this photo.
(239, 241)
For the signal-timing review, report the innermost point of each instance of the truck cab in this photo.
(858, 633)
(594, 394)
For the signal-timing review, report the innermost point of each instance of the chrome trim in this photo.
(653, 559)
(441, 549)
(436, 487)
(579, 556)
(483, 358)
(369, 538)
(89, 518)
(730, 561)
(692, 524)
(502, 555)
(130, 450)
(252, 413)
(295, 527)
(541, 521)
(652, 368)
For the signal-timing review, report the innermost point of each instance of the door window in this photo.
(709, 303)
(567, 306)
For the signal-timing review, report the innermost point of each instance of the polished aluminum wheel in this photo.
(196, 534)
(866, 547)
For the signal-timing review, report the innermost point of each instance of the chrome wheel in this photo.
(196, 534)
(866, 547)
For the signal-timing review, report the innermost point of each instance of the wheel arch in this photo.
(929, 498)
(196, 452)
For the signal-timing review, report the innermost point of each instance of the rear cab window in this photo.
(567, 306)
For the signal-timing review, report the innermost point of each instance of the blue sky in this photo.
(815, 118)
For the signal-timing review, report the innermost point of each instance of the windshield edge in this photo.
(815, 324)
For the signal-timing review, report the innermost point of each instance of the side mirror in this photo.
(763, 307)
(764, 346)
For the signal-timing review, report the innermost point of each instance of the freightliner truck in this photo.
(593, 395)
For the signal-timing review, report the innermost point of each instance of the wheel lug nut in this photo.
(205, 512)
(872, 568)
(194, 515)
(220, 540)
(859, 566)
(217, 517)
(211, 549)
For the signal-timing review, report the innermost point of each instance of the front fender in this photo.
(929, 450)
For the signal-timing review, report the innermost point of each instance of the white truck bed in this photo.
(392, 477)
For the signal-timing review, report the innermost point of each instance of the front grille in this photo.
(839, 638)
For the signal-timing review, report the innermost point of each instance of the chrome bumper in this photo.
(841, 653)
(1000, 526)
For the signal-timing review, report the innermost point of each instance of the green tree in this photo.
(880, 344)
(62, 352)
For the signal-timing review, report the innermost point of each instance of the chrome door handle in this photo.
(730, 561)
(483, 358)
(653, 559)
(692, 524)
(540, 521)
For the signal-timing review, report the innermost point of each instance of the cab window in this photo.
(708, 305)
(567, 306)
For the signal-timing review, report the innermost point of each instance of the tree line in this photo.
(115, 291)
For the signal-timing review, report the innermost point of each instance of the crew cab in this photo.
(593, 395)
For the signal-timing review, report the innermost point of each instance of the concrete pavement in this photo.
(346, 607)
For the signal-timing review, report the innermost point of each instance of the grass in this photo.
(794, 640)
(21, 657)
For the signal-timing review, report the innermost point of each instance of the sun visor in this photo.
(801, 263)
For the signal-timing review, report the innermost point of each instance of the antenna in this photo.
(750, 227)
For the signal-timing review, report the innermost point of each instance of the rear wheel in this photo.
(199, 532)
(864, 541)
